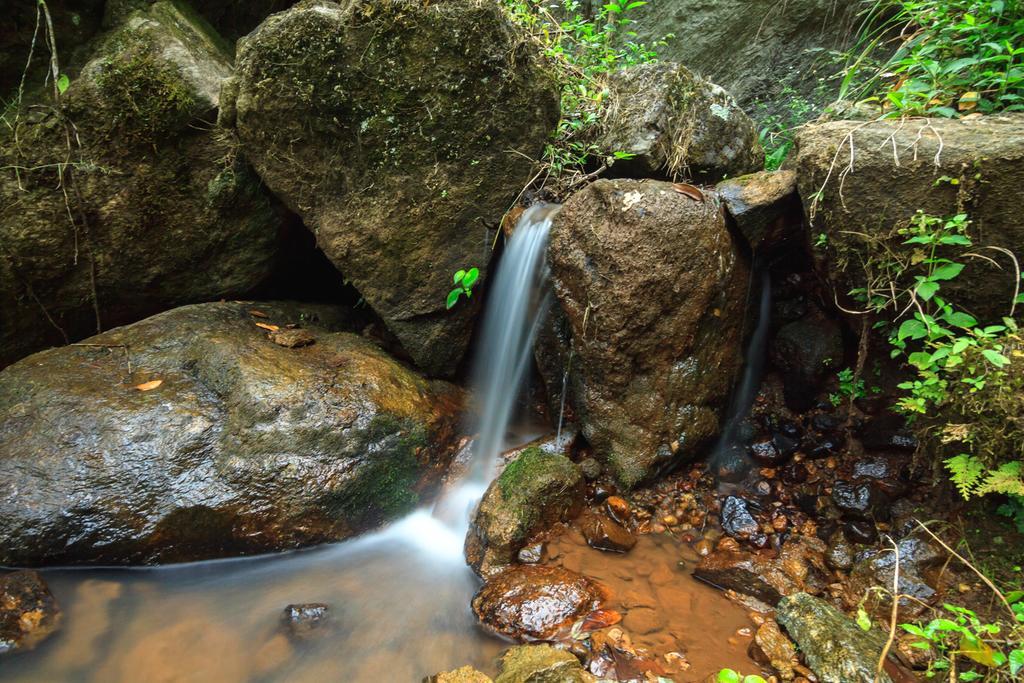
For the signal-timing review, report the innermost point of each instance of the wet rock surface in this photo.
(535, 602)
(765, 207)
(920, 562)
(739, 523)
(218, 442)
(156, 209)
(29, 614)
(677, 125)
(806, 351)
(799, 567)
(400, 132)
(604, 533)
(835, 647)
(533, 492)
(541, 664)
(643, 264)
(306, 620)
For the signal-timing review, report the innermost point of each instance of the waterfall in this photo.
(517, 305)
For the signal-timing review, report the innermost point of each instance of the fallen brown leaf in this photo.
(265, 326)
(258, 314)
(690, 191)
(600, 618)
(150, 385)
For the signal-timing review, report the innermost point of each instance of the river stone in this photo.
(243, 446)
(401, 132)
(155, 209)
(541, 664)
(534, 491)
(677, 125)
(833, 645)
(534, 602)
(652, 297)
(896, 173)
(920, 570)
(799, 567)
(806, 352)
(29, 614)
(465, 674)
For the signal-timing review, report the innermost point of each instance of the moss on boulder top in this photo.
(535, 490)
(122, 201)
(400, 131)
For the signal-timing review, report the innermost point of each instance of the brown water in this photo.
(664, 609)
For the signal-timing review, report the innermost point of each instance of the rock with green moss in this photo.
(401, 131)
(465, 674)
(863, 181)
(534, 491)
(124, 200)
(832, 644)
(217, 441)
(541, 664)
(652, 296)
(676, 124)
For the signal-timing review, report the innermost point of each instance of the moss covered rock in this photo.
(535, 490)
(677, 125)
(541, 664)
(652, 300)
(218, 442)
(400, 131)
(123, 200)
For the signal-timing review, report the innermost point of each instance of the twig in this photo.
(894, 615)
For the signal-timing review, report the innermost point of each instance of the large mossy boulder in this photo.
(401, 132)
(534, 491)
(676, 124)
(651, 292)
(123, 201)
(764, 52)
(861, 182)
(226, 437)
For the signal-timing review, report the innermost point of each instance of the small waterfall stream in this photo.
(399, 596)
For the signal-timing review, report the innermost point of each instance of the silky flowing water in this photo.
(399, 598)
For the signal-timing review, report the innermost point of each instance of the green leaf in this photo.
(915, 329)
(453, 298)
(1014, 596)
(995, 358)
(471, 278)
(959, 319)
(457, 278)
(1016, 661)
(970, 676)
(728, 676)
(947, 272)
(863, 620)
(753, 678)
(63, 83)
(927, 289)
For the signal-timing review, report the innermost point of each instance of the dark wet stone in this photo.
(531, 554)
(731, 464)
(840, 553)
(919, 561)
(823, 447)
(826, 423)
(785, 444)
(603, 491)
(833, 645)
(604, 533)
(806, 351)
(535, 602)
(766, 453)
(861, 531)
(860, 500)
(28, 612)
(888, 432)
(889, 472)
(747, 573)
(306, 620)
(794, 473)
(241, 446)
(738, 522)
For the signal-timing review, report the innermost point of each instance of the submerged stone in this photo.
(604, 533)
(218, 442)
(535, 602)
(306, 620)
(29, 614)
(401, 132)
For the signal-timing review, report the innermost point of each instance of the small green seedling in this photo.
(464, 281)
(730, 676)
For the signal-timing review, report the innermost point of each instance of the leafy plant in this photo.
(970, 648)
(464, 281)
(584, 50)
(777, 129)
(953, 57)
(849, 387)
(1014, 509)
